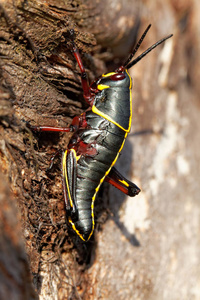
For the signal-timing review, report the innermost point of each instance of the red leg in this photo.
(50, 128)
(117, 185)
(121, 183)
(86, 88)
(77, 122)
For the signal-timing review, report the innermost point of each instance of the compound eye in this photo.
(118, 76)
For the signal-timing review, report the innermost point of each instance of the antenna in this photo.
(147, 51)
(137, 46)
(128, 63)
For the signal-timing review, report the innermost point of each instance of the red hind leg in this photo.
(121, 183)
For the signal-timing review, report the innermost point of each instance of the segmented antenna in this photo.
(128, 64)
(137, 46)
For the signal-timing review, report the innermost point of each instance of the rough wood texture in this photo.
(143, 248)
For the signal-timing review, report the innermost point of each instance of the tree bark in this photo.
(142, 247)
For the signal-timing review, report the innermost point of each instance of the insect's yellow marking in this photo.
(68, 190)
(95, 110)
(124, 182)
(108, 74)
(75, 229)
(102, 87)
(66, 177)
(94, 196)
(101, 181)
(114, 161)
(130, 87)
(98, 112)
(65, 172)
(105, 116)
(78, 157)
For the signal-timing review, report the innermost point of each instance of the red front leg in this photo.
(85, 85)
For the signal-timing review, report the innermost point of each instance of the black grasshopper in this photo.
(98, 137)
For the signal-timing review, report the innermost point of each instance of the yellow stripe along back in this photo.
(114, 161)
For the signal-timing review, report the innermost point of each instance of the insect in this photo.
(98, 138)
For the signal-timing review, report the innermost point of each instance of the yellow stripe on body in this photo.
(102, 87)
(108, 74)
(94, 196)
(68, 190)
(130, 87)
(64, 164)
(105, 116)
(124, 182)
(74, 228)
(66, 177)
(101, 181)
(114, 161)
(98, 112)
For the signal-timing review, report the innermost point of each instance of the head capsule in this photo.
(113, 79)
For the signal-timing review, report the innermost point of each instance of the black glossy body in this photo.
(108, 123)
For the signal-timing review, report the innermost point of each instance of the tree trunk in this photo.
(145, 247)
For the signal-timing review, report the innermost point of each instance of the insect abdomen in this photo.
(91, 171)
